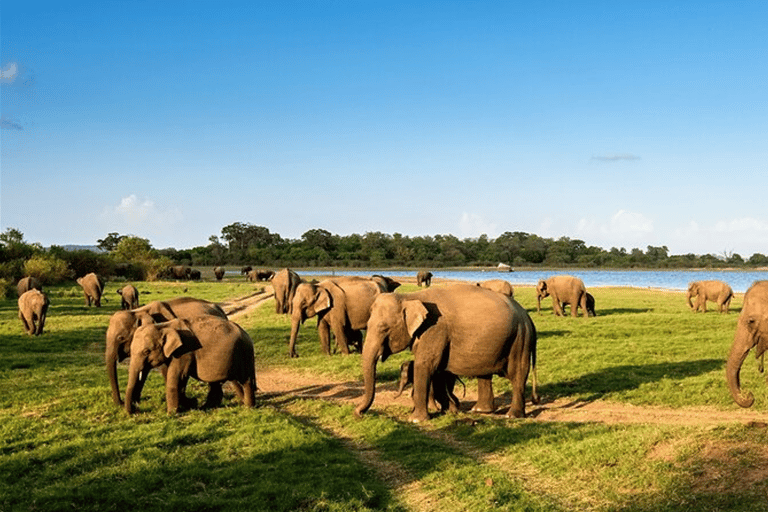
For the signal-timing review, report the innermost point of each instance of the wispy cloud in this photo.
(141, 216)
(614, 158)
(7, 124)
(472, 225)
(9, 72)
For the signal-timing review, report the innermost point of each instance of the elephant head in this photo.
(391, 329)
(693, 291)
(541, 293)
(751, 331)
(309, 300)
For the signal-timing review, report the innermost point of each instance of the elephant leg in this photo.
(215, 395)
(421, 384)
(249, 392)
(557, 307)
(484, 395)
(340, 332)
(453, 400)
(355, 338)
(324, 330)
(518, 374)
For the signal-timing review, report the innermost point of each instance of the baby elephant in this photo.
(441, 397)
(130, 297)
(33, 308)
(208, 348)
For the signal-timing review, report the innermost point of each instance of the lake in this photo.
(740, 281)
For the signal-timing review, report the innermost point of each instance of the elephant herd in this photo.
(455, 330)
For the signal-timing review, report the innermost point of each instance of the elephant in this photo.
(462, 329)
(130, 297)
(208, 348)
(284, 283)
(28, 283)
(568, 289)
(590, 305)
(341, 304)
(123, 325)
(498, 285)
(424, 277)
(33, 308)
(386, 283)
(260, 275)
(441, 396)
(180, 272)
(751, 331)
(246, 269)
(219, 273)
(93, 287)
(714, 291)
(195, 274)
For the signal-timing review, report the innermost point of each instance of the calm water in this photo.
(668, 279)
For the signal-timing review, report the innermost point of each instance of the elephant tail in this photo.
(535, 399)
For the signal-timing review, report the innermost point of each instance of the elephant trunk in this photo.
(688, 298)
(372, 350)
(133, 390)
(296, 321)
(741, 347)
(538, 303)
(111, 361)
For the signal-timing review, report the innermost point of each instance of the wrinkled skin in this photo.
(385, 283)
(218, 272)
(123, 325)
(441, 396)
(342, 306)
(751, 332)
(563, 289)
(461, 329)
(93, 288)
(28, 283)
(284, 283)
(130, 297)
(33, 308)
(590, 305)
(713, 291)
(499, 286)
(208, 348)
(424, 277)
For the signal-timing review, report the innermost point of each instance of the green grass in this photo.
(64, 445)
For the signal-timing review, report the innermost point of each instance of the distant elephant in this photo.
(130, 297)
(208, 348)
(498, 285)
(751, 331)
(195, 274)
(93, 288)
(28, 283)
(180, 272)
(714, 291)
(33, 308)
(590, 305)
(246, 269)
(386, 283)
(462, 329)
(284, 283)
(342, 306)
(123, 325)
(568, 289)
(219, 273)
(260, 275)
(441, 396)
(424, 277)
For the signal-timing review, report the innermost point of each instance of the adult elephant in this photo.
(563, 289)
(218, 272)
(129, 297)
(93, 288)
(462, 329)
(713, 291)
(424, 277)
(208, 348)
(284, 283)
(33, 309)
(28, 283)
(342, 306)
(590, 305)
(386, 283)
(180, 272)
(195, 274)
(499, 286)
(260, 275)
(123, 325)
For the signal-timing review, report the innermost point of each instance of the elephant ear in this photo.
(144, 319)
(323, 300)
(171, 342)
(415, 314)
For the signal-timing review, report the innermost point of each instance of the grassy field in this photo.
(64, 445)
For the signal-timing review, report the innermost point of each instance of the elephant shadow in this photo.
(622, 311)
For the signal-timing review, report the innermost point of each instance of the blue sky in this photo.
(623, 124)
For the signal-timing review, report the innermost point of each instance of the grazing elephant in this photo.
(208, 348)
(568, 289)
(260, 275)
(424, 277)
(28, 283)
(714, 291)
(246, 269)
(751, 331)
(590, 305)
(498, 285)
(341, 304)
(386, 283)
(219, 273)
(195, 274)
(93, 287)
(180, 272)
(123, 325)
(462, 329)
(441, 396)
(284, 283)
(130, 297)
(33, 308)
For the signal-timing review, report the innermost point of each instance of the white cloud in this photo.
(9, 73)
(743, 225)
(141, 217)
(472, 225)
(630, 223)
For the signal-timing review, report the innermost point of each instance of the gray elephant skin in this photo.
(123, 325)
(441, 396)
(218, 273)
(284, 284)
(714, 291)
(563, 289)
(129, 297)
(424, 277)
(93, 288)
(28, 283)
(342, 306)
(751, 332)
(207, 348)
(462, 329)
(33, 309)
(499, 286)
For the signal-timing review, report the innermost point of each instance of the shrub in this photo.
(48, 269)
(6, 285)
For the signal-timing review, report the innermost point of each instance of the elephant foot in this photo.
(482, 410)
(419, 417)
(516, 413)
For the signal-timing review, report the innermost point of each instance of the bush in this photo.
(48, 269)
(6, 285)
